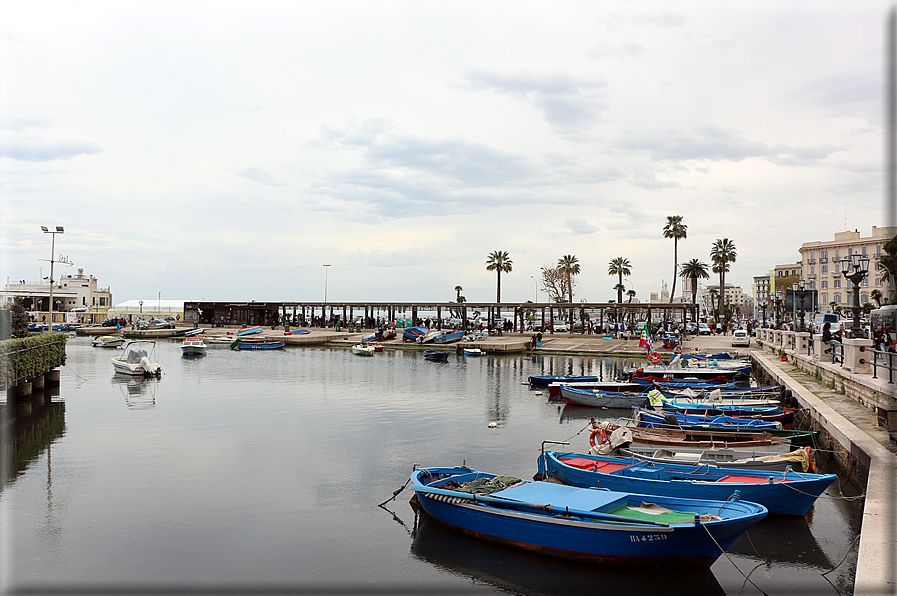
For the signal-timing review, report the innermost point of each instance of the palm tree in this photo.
(569, 264)
(458, 290)
(676, 230)
(722, 253)
(619, 266)
(499, 262)
(631, 294)
(876, 295)
(694, 269)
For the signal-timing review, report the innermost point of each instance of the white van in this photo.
(819, 319)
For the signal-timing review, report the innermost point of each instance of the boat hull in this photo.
(582, 538)
(602, 399)
(783, 493)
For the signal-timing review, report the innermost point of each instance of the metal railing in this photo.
(879, 358)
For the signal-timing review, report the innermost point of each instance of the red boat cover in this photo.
(594, 466)
(748, 479)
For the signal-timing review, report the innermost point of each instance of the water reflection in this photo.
(27, 433)
(139, 392)
(521, 572)
(764, 542)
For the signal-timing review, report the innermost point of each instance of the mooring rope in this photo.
(731, 561)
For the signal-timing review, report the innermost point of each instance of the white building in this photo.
(78, 293)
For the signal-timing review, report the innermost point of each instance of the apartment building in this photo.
(821, 270)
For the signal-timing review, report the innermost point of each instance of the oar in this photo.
(534, 507)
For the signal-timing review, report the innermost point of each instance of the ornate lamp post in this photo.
(778, 308)
(59, 230)
(860, 266)
(763, 303)
(800, 291)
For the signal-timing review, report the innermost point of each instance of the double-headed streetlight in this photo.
(860, 266)
(763, 303)
(46, 230)
(778, 307)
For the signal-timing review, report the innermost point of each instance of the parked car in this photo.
(561, 327)
(577, 327)
(740, 337)
(114, 321)
(703, 329)
(154, 324)
(691, 328)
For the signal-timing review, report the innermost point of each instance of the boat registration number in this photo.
(646, 537)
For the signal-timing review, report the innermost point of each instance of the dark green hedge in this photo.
(32, 356)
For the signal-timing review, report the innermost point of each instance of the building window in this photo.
(864, 298)
(865, 282)
(878, 282)
(864, 251)
(824, 269)
(824, 283)
(823, 254)
(823, 298)
(812, 270)
(837, 283)
(837, 298)
(837, 254)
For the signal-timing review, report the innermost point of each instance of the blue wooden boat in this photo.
(716, 409)
(448, 337)
(436, 355)
(261, 344)
(716, 383)
(545, 380)
(412, 333)
(596, 398)
(716, 356)
(249, 331)
(784, 493)
(583, 524)
(297, 332)
(651, 419)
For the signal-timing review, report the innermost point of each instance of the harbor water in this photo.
(262, 471)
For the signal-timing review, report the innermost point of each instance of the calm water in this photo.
(262, 472)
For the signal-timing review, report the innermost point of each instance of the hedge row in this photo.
(29, 357)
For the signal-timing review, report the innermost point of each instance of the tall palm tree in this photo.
(631, 294)
(619, 266)
(693, 270)
(569, 264)
(676, 230)
(499, 262)
(458, 290)
(722, 253)
(876, 295)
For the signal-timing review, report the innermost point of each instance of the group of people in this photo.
(881, 339)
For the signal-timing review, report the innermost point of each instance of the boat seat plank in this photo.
(749, 479)
(593, 465)
(560, 495)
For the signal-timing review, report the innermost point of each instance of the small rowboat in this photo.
(412, 333)
(262, 344)
(545, 380)
(583, 524)
(596, 398)
(108, 341)
(436, 355)
(784, 493)
(297, 332)
(377, 347)
(473, 352)
(249, 331)
(363, 350)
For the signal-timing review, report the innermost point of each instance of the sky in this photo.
(228, 150)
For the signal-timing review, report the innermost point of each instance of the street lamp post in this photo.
(860, 266)
(536, 286)
(799, 289)
(763, 303)
(778, 308)
(324, 309)
(46, 230)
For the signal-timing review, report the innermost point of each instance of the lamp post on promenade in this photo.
(778, 308)
(860, 266)
(324, 309)
(46, 230)
(763, 303)
(799, 289)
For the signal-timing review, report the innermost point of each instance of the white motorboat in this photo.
(193, 345)
(108, 341)
(363, 350)
(473, 352)
(137, 359)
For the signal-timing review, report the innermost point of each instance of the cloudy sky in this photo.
(227, 150)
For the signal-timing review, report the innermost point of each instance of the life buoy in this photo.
(654, 358)
(597, 431)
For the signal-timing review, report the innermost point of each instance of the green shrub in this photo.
(32, 356)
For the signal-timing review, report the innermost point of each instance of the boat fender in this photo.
(654, 358)
(812, 468)
(597, 431)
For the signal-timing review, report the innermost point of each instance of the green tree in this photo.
(570, 266)
(619, 266)
(888, 260)
(676, 230)
(694, 269)
(499, 262)
(722, 253)
(631, 294)
(876, 295)
(19, 320)
(458, 290)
